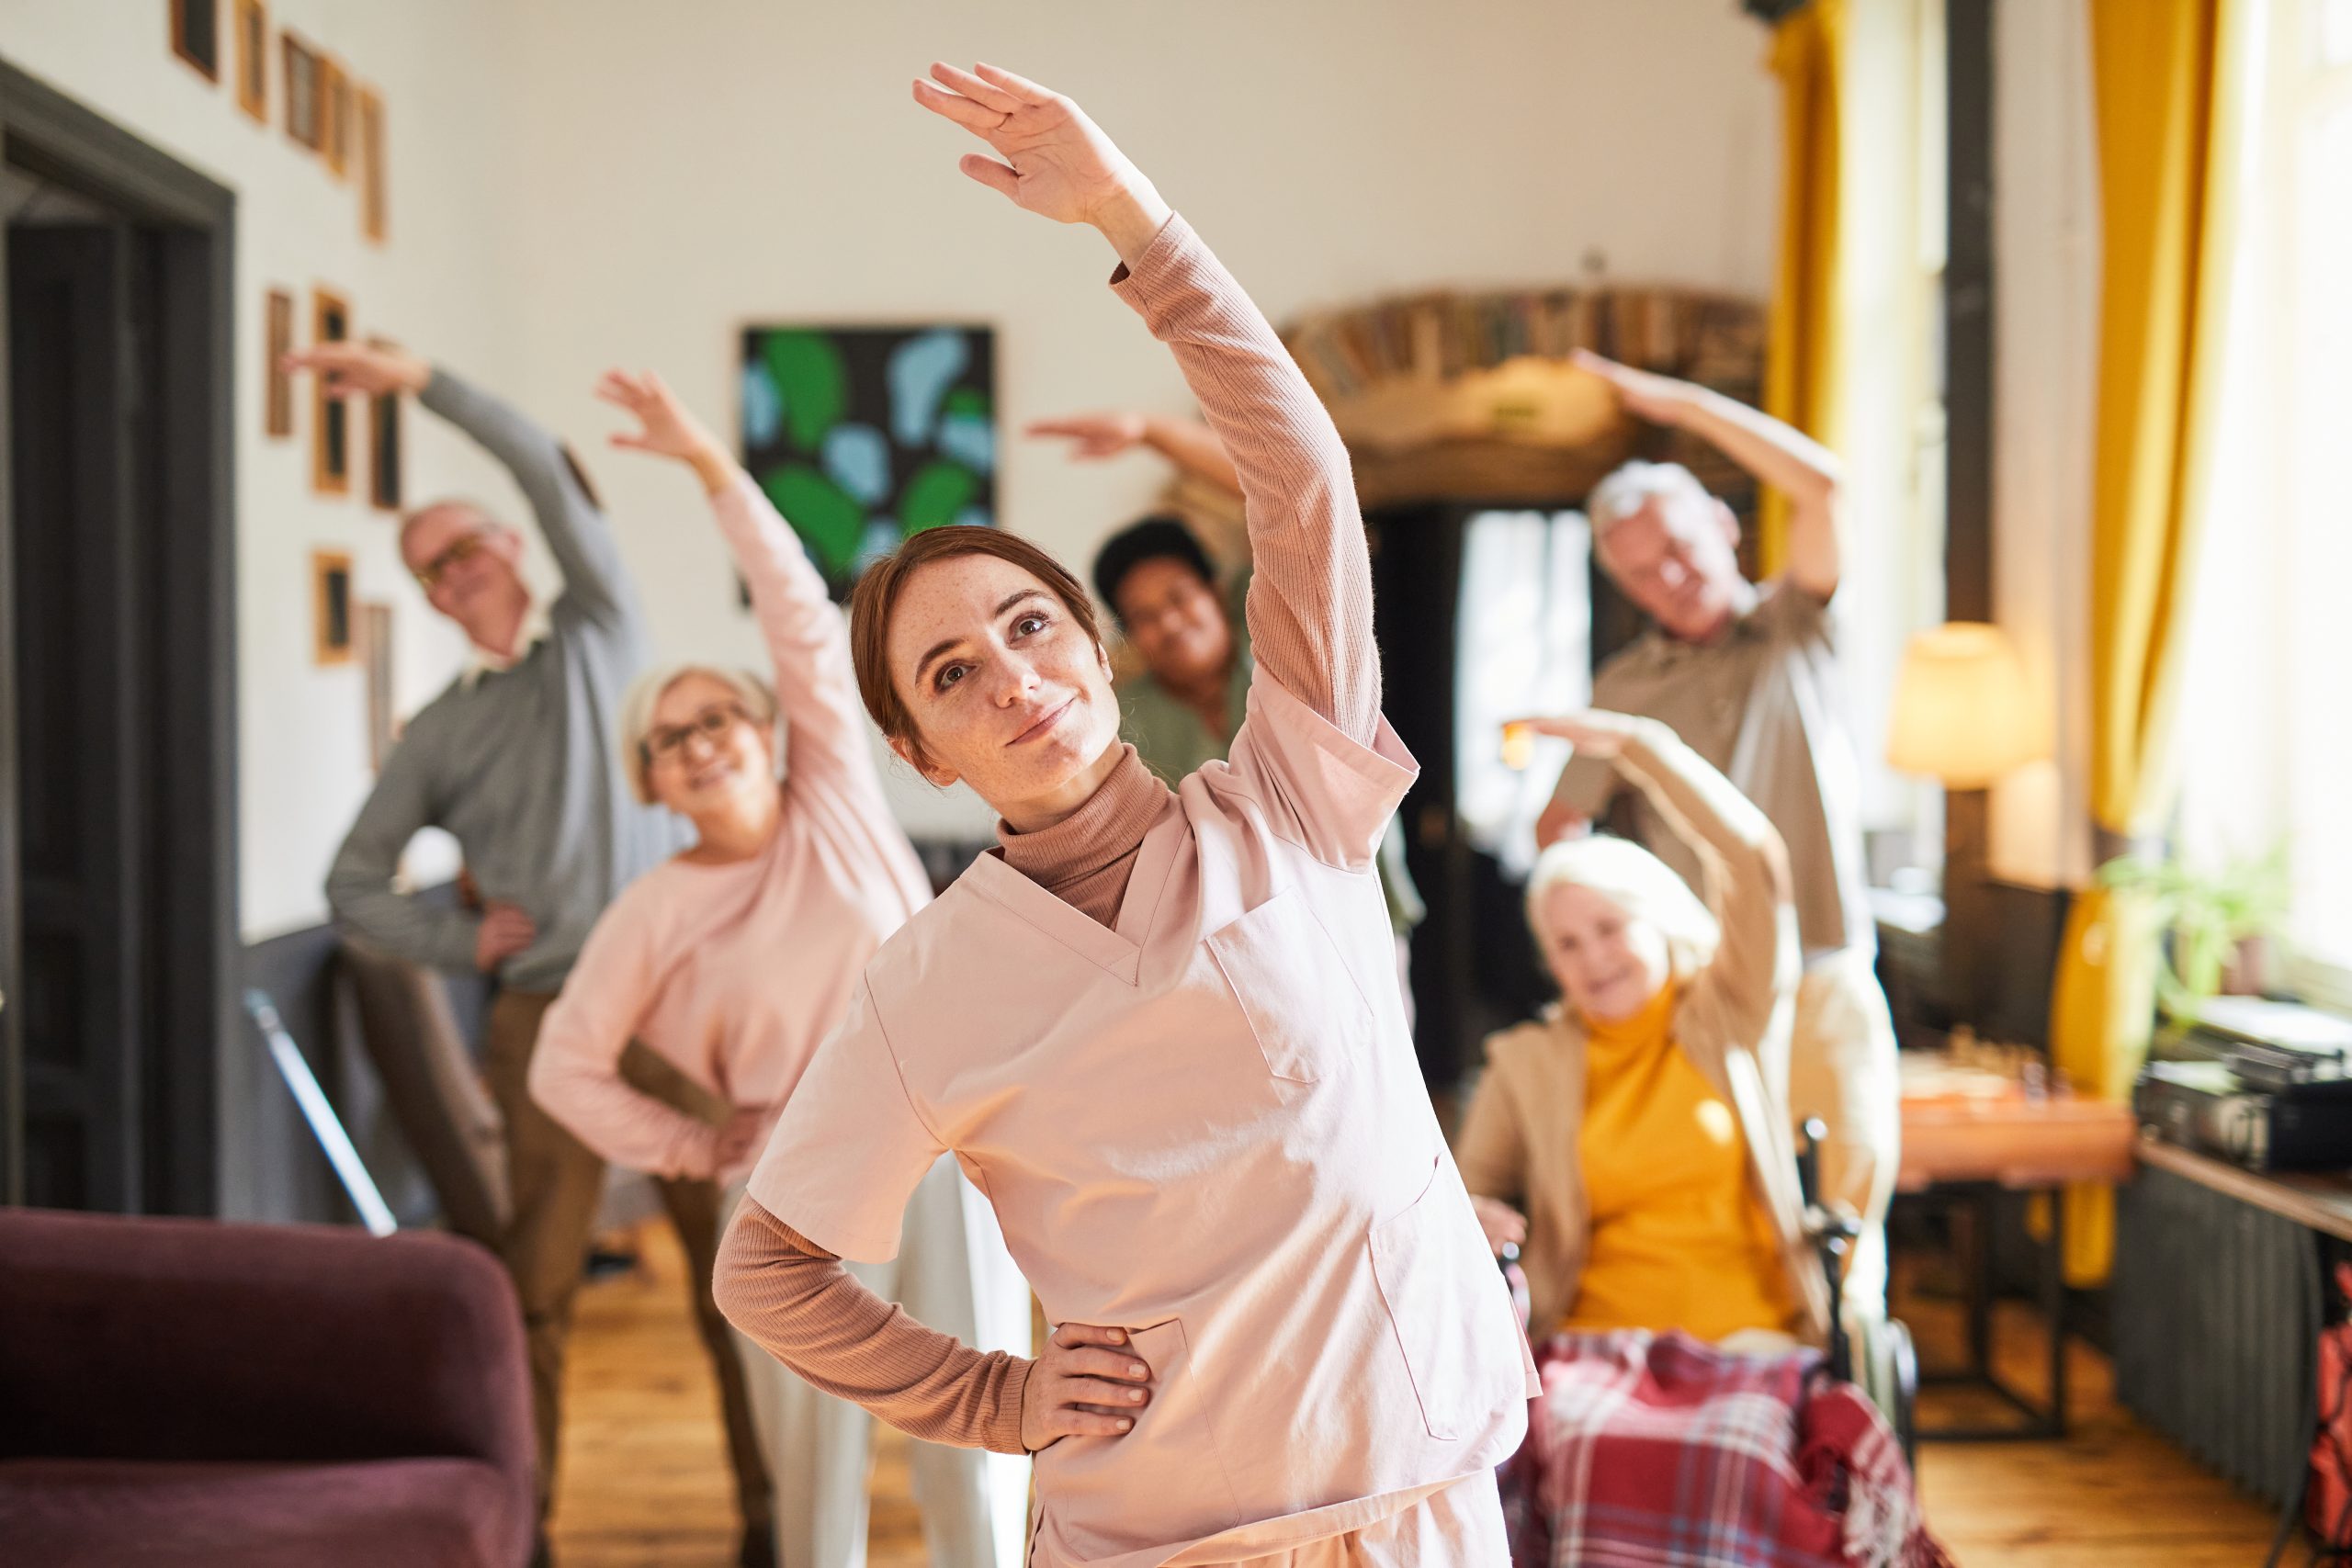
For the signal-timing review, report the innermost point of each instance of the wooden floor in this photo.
(645, 1478)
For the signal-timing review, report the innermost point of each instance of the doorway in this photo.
(117, 664)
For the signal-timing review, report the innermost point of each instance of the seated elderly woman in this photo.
(1633, 1142)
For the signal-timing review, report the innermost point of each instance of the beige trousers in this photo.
(556, 1183)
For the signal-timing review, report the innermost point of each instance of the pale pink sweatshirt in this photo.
(736, 972)
(1310, 612)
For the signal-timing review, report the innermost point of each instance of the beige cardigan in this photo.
(1518, 1139)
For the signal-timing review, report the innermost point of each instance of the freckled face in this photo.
(1007, 691)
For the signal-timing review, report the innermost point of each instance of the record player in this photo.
(2265, 1085)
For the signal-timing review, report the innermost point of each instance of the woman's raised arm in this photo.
(1310, 598)
(806, 636)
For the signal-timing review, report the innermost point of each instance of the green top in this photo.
(1173, 741)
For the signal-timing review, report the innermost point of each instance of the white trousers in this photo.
(1843, 1068)
(953, 1274)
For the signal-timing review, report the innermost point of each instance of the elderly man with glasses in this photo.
(517, 760)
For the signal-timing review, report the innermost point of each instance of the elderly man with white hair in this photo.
(1748, 675)
(516, 759)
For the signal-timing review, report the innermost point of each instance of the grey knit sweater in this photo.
(518, 765)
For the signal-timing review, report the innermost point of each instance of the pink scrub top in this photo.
(1207, 1126)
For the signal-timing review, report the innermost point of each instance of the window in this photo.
(2265, 747)
(1526, 589)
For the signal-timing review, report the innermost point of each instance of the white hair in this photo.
(1637, 882)
(756, 695)
(1631, 486)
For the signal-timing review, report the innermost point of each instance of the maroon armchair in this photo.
(181, 1391)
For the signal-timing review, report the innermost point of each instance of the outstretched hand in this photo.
(1094, 435)
(1057, 162)
(1645, 394)
(665, 428)
(1595, 732)
(362, 367)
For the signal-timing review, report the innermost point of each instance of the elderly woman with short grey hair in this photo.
(1633, 1141)
(736, 958)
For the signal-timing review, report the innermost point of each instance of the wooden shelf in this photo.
(2321, 1201)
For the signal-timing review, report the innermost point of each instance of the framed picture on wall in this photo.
(277, 412)
(331, 607)
(252, 57)
(864, 435)
(301, 90)
(195, 35)
(376, 658)
(384, 445)
(375, 219)
(331, 411)
(335, 115)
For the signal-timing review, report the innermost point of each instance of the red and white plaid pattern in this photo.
(1659, 1451)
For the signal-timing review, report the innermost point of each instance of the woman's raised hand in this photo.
(1596, 732)
(1094, 435)
(1056, 163)
(1089, 1384)
(664, 427)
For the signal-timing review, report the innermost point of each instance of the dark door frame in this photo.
(194, 219)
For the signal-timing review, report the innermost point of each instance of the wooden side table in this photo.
(1963, 1152)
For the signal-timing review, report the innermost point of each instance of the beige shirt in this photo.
(1764, 704)
(1518, 1143)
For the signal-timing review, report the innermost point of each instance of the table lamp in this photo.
(1962, 714)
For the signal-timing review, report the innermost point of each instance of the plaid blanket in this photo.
(1659, 1451)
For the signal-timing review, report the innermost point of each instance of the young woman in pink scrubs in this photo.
(1159, 1028)
(734, 959)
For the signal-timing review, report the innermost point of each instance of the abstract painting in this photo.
(864, 435)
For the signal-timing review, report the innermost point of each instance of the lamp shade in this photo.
(1961, 710)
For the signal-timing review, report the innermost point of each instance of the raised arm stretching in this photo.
(1310, 598)
(1777, 455)
(1188, 443)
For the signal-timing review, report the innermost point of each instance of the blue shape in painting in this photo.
(970, 440)
(763, 406)
(858, 458)
(921, 369)
(976, 517)
(880, 539)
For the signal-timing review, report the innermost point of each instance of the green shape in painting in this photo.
(966, 399)
(820, 511)
(809, 372)
(936, 493)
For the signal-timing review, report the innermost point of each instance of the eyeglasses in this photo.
(670, 740)
(465, 546)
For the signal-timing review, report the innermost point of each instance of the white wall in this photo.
(444, 68)
(745, 161)
(580, 182)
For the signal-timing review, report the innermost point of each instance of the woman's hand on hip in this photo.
(664, 426)
(741, 1135)
(1089, 1384)
(1057, 162)
(1504, 1226)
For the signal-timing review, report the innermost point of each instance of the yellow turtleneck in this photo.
(1677, 1237)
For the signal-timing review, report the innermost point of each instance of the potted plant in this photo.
(2219, 924)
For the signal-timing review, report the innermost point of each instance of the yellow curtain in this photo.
(2166, 76)
(1801, 356)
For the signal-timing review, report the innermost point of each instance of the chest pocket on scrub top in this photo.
(1294, 988)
